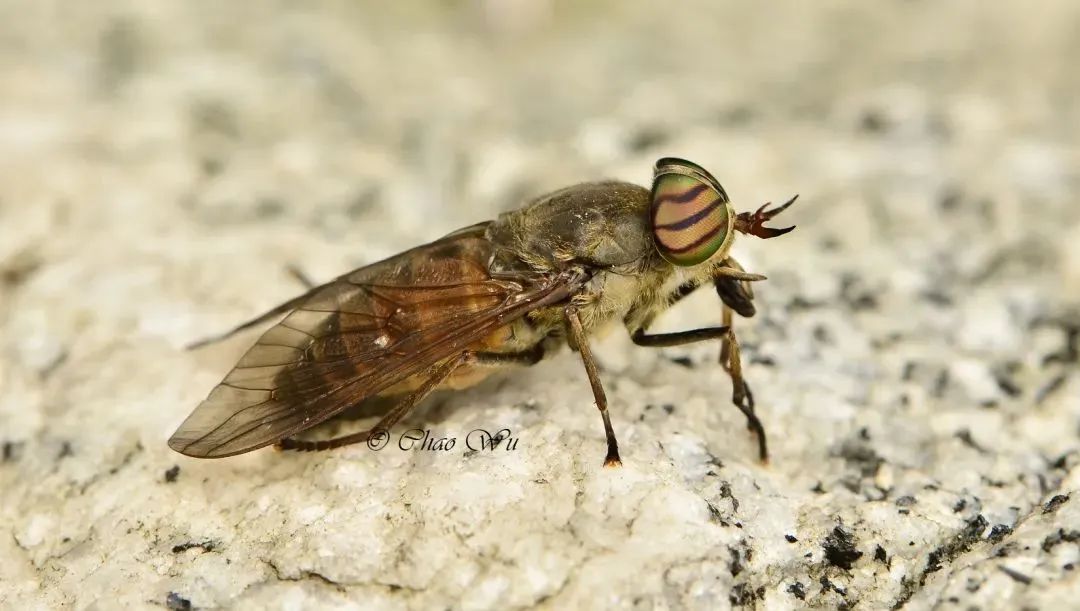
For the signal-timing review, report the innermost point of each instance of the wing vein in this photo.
(338, 368)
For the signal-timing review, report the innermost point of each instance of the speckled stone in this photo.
(914, 357)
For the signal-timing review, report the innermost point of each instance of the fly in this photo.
(493, 295)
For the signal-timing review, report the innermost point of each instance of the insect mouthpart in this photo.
(754, 224)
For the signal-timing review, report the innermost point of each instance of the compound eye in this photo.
(691, 215)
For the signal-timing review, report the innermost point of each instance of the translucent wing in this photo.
(357, 336)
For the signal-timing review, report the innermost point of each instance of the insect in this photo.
(493, 295)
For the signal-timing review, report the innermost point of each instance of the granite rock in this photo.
(914, 356)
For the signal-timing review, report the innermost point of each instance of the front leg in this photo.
(730, 355)
(730, 359)
(736, 293)
(738, 297)
(678, 338)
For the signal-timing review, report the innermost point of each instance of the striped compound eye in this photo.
(691, 215)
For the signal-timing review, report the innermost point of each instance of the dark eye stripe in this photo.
(693, 219)
(681, 198)
(696, 243)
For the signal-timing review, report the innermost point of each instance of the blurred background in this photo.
(163, 163)
(158, 137)
(322, 126)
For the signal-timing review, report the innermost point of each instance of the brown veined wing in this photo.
(358, 335)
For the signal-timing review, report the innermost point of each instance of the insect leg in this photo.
(738, 296)
(531, 356)
(678, 338)
(737, 274)
(742, 397)
(729, 272)
(736, 293)
(299, 275)
(438, 376)
(730, 358)
(301, 445)
(577, 333)
(293, 271)
(640, 320)
(732, 284)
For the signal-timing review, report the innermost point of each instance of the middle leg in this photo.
(733, 287)
(730, 359)
(741, 395)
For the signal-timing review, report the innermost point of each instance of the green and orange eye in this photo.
(692, 217)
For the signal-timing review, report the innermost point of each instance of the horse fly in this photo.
(496, 294)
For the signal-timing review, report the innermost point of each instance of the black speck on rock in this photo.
(206, 546)
(742, 594)
(1050, 388)
(1052, 505)
(791, 539)
(827, 585)
(964, 435)
(1071, 352)
(738, 560)
(1061, 536)
(172, 473)
(822, 335)
(798, 304)
(767, 361)
(715, 515)
(958, 544)
(881, 555)
(999, 532)
(65, 451)
(1016, 575)
(873, 121)
(683, 361)
(860, 454)
(175, 602)
(906, 501)
(938, 297)
(1007, 384)
(840, 548)
(855, 294)
(726, 493)
(12, 451)
(798, 590)
(941, 384)
(1066, 461)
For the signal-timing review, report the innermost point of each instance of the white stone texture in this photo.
(914, 356)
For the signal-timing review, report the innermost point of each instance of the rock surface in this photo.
(915, 354)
